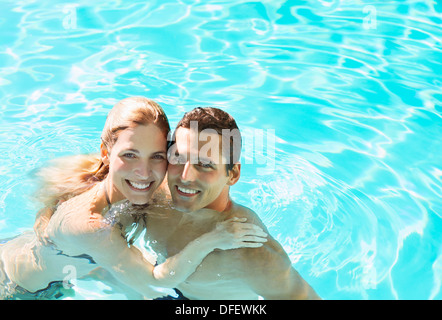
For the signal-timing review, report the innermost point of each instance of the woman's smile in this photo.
(139, 186)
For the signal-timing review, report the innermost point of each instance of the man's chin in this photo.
(182, 209)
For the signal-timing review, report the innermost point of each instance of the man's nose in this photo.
(188, 173)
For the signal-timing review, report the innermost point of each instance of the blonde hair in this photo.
(69, 176)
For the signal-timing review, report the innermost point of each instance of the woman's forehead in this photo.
(141, 136)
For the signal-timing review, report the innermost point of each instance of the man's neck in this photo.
(222, 203)
(212, 211)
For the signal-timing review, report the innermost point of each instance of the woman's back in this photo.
(32, 266)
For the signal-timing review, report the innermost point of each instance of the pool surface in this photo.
(339, 102)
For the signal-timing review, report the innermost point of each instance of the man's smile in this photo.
(186, 192)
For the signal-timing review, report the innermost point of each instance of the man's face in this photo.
(197, 174)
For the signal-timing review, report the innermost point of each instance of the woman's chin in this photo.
(139, 201)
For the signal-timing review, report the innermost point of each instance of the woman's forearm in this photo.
(230, 234)
(129, 265)
(179, 267)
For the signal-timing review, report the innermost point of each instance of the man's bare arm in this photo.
(270, 274)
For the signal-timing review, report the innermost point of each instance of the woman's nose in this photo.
(143, 170)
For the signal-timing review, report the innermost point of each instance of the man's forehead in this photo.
(183, 135)
(206, 144)
(193, 139)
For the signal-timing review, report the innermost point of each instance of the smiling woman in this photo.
(139, 161)
(70, 176)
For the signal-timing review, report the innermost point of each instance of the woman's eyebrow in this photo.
(131, 150)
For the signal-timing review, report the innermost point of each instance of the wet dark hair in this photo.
(220, 121)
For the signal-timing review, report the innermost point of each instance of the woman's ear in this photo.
(234, 174)
(104, 154)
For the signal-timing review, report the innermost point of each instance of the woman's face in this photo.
(137, 164)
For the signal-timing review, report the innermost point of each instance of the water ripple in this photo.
(352, 90)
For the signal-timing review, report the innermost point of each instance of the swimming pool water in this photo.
(351, 91)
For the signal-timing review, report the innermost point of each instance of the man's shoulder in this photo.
(241, 211)
(239, 208)
(270, 253)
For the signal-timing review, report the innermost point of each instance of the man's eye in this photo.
(206, 165)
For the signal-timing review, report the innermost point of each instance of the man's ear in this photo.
(234, 174)
(104, 154)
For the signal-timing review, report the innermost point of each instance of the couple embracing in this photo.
(175, 193)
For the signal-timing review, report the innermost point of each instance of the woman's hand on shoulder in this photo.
(235, 233)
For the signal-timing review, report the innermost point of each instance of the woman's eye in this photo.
(159, 157)
(129, 155)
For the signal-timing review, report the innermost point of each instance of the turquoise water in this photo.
(351, 90)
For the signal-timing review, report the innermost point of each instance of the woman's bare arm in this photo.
(41, 222)
(111, 251)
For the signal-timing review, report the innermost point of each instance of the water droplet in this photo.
(218, 274)
(154, 241)
(189, 261)
(172, 273)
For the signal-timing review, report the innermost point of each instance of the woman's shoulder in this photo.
(75, 218)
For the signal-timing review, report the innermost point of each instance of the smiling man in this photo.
(203, 164)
